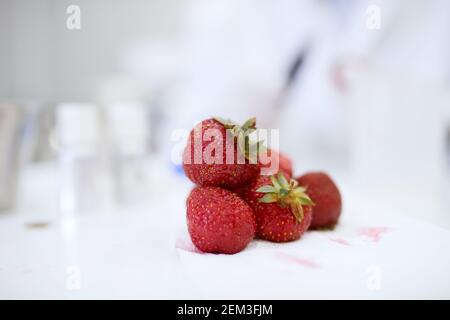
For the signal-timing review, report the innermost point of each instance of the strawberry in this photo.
(280, 161)
(211, 144)
(325, 194)
(282, 209)
(219, 221)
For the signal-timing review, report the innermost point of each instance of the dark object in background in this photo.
(295, 67)
(293, 74)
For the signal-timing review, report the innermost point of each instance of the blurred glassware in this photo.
(44, 134)
(78, 141)
(128, 124)
(37, 143)
(446, 187)
(10, 137)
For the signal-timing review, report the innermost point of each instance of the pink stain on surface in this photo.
(186, 246)
(341, 241)
(296, 260)
(373, 233)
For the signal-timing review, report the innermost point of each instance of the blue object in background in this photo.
(178, 169)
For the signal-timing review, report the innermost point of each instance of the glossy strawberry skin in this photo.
(229, 176)
(219, 221)
(284, 162)
(274, 223)
(326, 196)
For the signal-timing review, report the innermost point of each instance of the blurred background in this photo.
(96, 98)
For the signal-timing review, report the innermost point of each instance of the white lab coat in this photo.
(318, 121)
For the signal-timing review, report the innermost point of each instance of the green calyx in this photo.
(287, 194)
(242, 133)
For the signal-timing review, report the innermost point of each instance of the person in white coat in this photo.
(309, 67)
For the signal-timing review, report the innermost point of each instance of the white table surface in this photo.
(144, 252)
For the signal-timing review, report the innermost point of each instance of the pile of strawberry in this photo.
(233, 202)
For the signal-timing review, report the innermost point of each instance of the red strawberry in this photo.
(211, 165)
(282, 209)
(219, 221)
(284, 162)
(325, 194)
